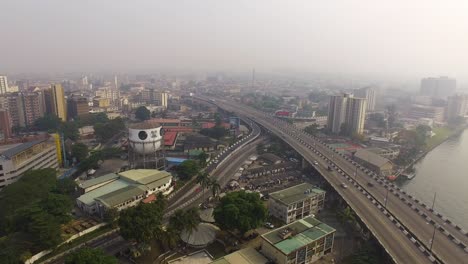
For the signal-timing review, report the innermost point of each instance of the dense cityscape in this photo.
(109, 159)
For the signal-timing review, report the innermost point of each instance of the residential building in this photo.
(374, 162)
(457, 106)
(3, 85)
(152, 96)
(422, 111)
(25, 108)
(5, 125)
(346, 114)
(441, 87)
(122, 190)
(296, 202)
(101, 102)
(243, 256)
(19, 158)
(77, 106)
(369, 94)
(303, 241)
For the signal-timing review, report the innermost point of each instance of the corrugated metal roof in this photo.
(9, 153)
(98, 180)
(88, 198)
(121, 195)
(144, 176)
(243, 256)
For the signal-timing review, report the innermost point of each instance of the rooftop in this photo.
(121, 195)
(145, 125)
(243, 256)
(88, 198)
(371, 157)
(170, 138)
(10, 152)
(301, 233)
(144, 176)
(296, 193)
(98, 180)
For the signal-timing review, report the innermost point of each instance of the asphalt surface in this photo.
(404, 248)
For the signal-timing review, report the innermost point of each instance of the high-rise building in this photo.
(346, 114)
(58, 101)
(441, 87)
(5, 124)
(457, 106)
(370, 94)
(25, 108)
(155, 97)
(77, 106)
(3, 85)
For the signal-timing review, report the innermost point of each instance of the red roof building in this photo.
(170, 139)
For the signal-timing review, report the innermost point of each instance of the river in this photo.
(444, 171)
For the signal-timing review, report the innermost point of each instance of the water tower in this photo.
(146, 146)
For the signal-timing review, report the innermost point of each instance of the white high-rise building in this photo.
(3, 85)
(346, 112)
(457, 106)
(370, 94)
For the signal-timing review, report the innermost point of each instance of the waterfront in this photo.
(444, 171)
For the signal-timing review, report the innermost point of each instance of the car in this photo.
(269, 225)
(315, 162)
(370, 184)
(344, 185)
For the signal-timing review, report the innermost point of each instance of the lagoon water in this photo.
(444, 171)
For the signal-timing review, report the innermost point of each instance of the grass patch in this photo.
(441, 134)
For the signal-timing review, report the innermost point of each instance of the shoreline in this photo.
(458, 132)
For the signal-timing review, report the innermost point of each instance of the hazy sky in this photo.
(410, 37)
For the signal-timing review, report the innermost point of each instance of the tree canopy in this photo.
(79, 151)
(142, 113)
(240, 211)
(141, 223)
(187, 169)
(216, 132)
(90, 256)
(107, 130)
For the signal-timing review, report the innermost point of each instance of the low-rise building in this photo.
(388, 153)
(271, 158)
(243, 256)
(19, 158)
(374, 162)
(122, 190)
(303, 241)
(296, 202)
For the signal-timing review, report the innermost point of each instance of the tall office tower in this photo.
(346, 112)
(58, 101)
(77, 106)
(457, 106)
(337, 112)
(355, 115)
(162, 99)
(441, 87)
(5, 124)
(3, 85)
(370, 94)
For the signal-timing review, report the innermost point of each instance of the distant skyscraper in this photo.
(370, 94)
(441, 87)
(346, 112)
(56, 103)
(5, 124)
(3, 85)
(457, 106)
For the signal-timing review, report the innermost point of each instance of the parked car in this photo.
(344, 185)
(269, 225)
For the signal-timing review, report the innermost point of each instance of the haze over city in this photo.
(406, 38)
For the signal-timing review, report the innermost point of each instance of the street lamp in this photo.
(433, 237)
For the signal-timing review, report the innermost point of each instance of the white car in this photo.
(269, 225)
(315, 162)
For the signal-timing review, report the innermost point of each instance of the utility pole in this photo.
(433, 237)
(433, 201)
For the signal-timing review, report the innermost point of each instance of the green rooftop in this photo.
(304, 231)
(143, 176)
(296, 193)
(98, 180)
(122, 195)
(88, 198)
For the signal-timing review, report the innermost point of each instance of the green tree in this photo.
(215, 187)
(59, 206)
(202, 159)
(90, 256)
(142, 113)
(69, 130)
(203, 178)
(240, 211)
(79, 151)
(312, 129)
(48, 122)
(392, 115)
(214, 132)
(141, 223)
(187, 169)
(111, 216)
(378, 118)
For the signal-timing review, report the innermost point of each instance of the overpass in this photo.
(409, 230)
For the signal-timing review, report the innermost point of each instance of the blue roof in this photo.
(175, 160)
(9, 153)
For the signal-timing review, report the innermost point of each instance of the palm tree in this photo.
(203, 179)
(215, 187)
(177, 220)
(192, 219)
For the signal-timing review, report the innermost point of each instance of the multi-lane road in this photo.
(402, 224)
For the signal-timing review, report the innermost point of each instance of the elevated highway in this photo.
(410, 231)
